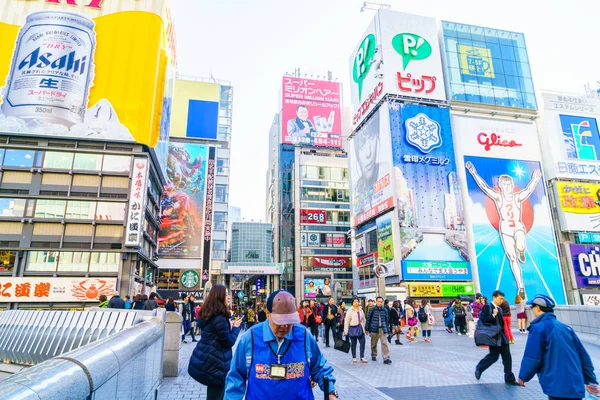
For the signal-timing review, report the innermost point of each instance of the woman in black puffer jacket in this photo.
(211, 358)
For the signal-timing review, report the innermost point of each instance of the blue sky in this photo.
(253, 43)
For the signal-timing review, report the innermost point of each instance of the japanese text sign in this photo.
(578, 205)
(42, 289)
(137, 202)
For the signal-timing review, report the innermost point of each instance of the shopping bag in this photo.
(342, 345)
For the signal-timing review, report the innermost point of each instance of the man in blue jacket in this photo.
(277, 358)
(555, 353)
(377, 327)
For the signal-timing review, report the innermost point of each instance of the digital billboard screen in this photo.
(317, 287)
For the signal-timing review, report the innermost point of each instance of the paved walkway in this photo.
(442, 369)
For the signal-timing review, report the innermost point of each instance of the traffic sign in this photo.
(240, 295)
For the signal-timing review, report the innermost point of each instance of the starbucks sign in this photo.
(189, 279)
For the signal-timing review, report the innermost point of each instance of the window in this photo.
(110, 211)
(73, 261)
(12, 207)
(116, 163)
(7, 261)
(1, 155)
(105, 262)
(219, 244)
(221, 193)
(50, 208)
(219, 254)
(42, 261)
(220, 226)
(58, 160)
(81, 210)
(87, 162)
(220, 216)
(18, 158)
(337, 174)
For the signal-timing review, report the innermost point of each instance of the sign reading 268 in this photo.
(313, 216)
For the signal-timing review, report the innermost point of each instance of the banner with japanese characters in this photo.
(429, 206)
(578, 206)
(54, 290)
(371, 169)
(507, 207)
(571, 139)
(137, 203)
(399, 54)
(311, 112)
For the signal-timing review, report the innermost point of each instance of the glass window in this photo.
(42, 261)
(87, 162)
(73, 261)
(219, 244)
(116, 163)
(18, 158)
(81, 209)
(311, 172)
(58, 160)
(50, 208)
(7, 261)
(220, 216)
(337, 174)
(220, 226)
(110, 211)
(105, 262)
(12, 207)
(1, 155)
(221, 193)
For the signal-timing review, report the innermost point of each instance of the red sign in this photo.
(336, 240)
(495, 140)
(331, 262)
(313, 217)
(367, 260)
(378, 209)
(311, 112)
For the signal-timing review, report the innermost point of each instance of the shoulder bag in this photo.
(357, 330)
(488, 335)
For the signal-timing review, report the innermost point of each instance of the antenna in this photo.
(368, 5)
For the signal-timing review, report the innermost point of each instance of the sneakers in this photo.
(387, 362)
(477, 374)
(511, 342)
(374, 358)
(389, 339)
(399, 342)
(459, 334)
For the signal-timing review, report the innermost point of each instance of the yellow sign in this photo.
(476, 61)
(87, 68)
(579, 197)
(425, 290)
(186, 91)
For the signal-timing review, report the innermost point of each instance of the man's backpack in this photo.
(446, 312)
(422, 315)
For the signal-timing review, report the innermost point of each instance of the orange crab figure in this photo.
(82, 292)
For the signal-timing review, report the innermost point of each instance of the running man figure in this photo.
(509, 205)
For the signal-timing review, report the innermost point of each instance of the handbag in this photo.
(488, 335)
(342, 345)
(318, 319)
(431, 319)
(412, 321)
(357, 330)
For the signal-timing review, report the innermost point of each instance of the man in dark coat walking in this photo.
(116, 301)
(330, 320)
(491, 314)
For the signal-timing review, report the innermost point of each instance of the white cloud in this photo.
(541, 214)
(475, 212)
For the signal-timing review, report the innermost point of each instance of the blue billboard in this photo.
(202, 119)
(581, 137)
(428, 198)
(487, 66)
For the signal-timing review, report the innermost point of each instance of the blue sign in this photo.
(240, 295)
(260, 284)
(488, 66)
(429, 204)
(581, 137)
(589, 237)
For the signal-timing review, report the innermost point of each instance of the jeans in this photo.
(427, 333)
(507, 331)
(379, 337)
(187, 328)
(330, 327)
(361, 340)
(492, 357)
(215, 392)
(314, 330)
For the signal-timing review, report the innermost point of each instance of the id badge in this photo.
(278, 371)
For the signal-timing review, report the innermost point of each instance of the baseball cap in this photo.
(478, 295)
(542, 300)
(282, 307)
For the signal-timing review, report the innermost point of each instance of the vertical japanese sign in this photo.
(385, 245)
(34, 289)
(208, 213)
(428, 198)
(137, 202)
(571, 139)
(311, 112)
(508, 207)
(371, 169)
(578, 206)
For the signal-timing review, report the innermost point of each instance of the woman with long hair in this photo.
(521, 314)
(394, 317)
(211, 358)
(138, 302)
(411, 320)
(354, 327)
(170, 305)
(426, 326)
(314, 319)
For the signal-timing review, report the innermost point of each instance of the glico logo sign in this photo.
(367, 103)
(93, 3)
(489, 141)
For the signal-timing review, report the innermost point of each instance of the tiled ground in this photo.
(442, 369)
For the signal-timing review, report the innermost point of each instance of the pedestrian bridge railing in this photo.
(114, 355)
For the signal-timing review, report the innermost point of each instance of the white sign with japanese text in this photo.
(571, 138)
(39, 289)
(137, 202)
(591, 299)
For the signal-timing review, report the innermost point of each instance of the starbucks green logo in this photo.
(411, 47)
(362, 61)
(189, 279)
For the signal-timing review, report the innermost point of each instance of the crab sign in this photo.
(88, 292)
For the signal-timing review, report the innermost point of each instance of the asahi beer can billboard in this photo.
(87, 68)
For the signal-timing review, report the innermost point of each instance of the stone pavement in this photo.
(442, 369)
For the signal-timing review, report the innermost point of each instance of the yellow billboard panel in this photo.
(186, 91)
(578, 197)
(87, 68)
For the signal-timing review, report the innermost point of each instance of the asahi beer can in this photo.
(52, 69)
